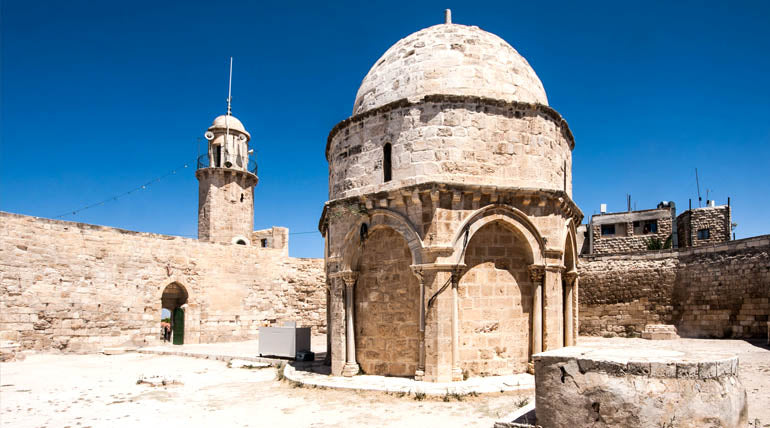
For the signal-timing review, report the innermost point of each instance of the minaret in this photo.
(226, 180)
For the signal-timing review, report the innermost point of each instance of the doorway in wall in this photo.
(174, 299)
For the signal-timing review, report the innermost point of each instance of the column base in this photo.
(457, 374)
(419, 374)
(350, 369)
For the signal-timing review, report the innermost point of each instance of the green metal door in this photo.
(178, 326)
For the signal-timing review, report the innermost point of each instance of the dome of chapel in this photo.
(449, 59)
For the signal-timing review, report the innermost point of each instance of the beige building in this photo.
(708, 225)
(633, 230)
(655, 229)
(450, 225)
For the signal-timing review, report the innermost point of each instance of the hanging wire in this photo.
(124, 194)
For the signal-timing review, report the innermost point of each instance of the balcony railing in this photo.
(203, 162)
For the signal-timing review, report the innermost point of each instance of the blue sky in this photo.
(100, 97)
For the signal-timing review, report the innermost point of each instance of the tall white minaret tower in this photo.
(226, 181)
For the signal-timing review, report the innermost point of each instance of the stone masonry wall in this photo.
(495, 303)
(451, 140)
(387, 299)
(79, 288)
(720, 290)
(621, 294)
(724, 293)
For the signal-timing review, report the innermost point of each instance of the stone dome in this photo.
(449, 59)
(232, 122)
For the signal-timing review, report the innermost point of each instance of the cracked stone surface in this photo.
(631, 383)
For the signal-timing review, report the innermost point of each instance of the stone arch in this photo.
(569, 285)
(240, 240)
(386, 299)
(495, 301)
(376, 219)
(512, 218)
(570, 255)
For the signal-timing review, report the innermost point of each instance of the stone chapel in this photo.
(450, 226)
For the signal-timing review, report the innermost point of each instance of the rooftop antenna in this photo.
(229, 110)
(448, 16)
(230, 88)
(697, 184)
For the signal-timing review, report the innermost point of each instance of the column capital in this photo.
(536, 273)
(347, 276)
(570, 277)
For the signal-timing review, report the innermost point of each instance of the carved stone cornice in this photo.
(479, 195)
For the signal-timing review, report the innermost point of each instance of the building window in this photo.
(645, 227)
(608, 229)
(263, 243)
(386, 164)
(703, 234)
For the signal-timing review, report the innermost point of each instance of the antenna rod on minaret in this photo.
(230, 87)
(229, 99)
(448, 16)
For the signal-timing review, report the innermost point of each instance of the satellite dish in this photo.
(209, 135)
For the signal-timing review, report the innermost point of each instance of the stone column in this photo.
(328, 358)
(351, 366)
(337, 325)
(569, 333)
(420, 372)
(457, 373)
(553, 308)
(536, 274)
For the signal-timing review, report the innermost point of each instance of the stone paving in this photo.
(317, 375)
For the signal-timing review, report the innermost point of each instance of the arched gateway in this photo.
(449, 196)
(174, 299)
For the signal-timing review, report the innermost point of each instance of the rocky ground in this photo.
(98, 390)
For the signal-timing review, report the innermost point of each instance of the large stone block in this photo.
(643, 387)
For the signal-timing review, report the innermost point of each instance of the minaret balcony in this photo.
(238, 165)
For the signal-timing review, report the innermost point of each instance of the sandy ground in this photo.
(101, 391)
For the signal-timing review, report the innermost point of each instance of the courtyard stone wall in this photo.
(721, 290)
(79, 288)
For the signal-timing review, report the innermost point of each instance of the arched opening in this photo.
(240, 242)
(495, 293)
(174, 300)
(565, 316)
(386, 163)
(569, 295)
(217, 156)
(386, 306)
